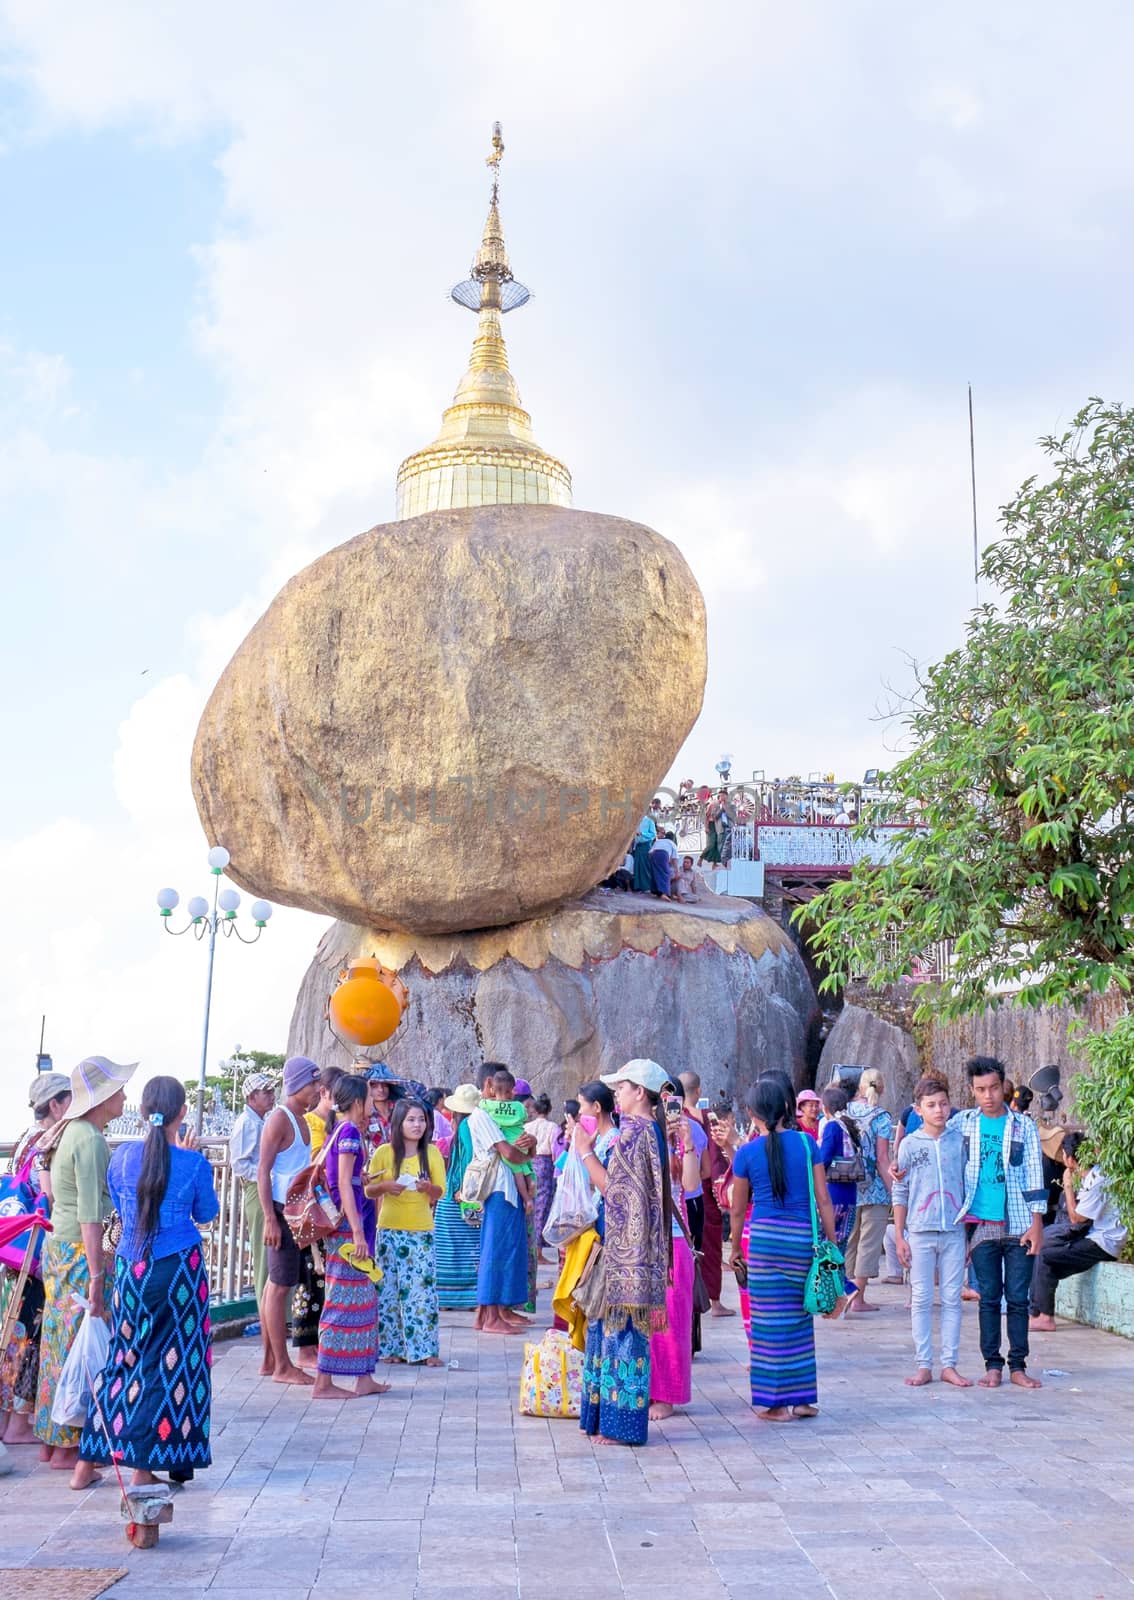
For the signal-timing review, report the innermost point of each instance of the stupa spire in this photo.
(485, 453)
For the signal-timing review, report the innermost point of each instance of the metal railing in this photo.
(821, 847)
(227, 1246)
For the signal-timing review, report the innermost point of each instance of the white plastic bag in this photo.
(85, 1360)
(575, 1205)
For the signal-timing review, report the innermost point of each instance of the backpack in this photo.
(850, 1167)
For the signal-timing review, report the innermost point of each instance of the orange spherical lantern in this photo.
(366, 1008)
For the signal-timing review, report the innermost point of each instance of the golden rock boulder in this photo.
(455, 721)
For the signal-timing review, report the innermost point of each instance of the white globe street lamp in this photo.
(203, 920)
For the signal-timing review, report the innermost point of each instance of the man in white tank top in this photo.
(285, 1149)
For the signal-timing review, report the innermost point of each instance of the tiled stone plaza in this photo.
(440, 1491)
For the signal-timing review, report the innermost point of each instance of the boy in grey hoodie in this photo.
(928, 1200)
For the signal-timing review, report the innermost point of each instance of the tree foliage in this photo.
(236, 1069)
(1021, 766)
(1103, 1098)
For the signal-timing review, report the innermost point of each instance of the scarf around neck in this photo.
(636, 1244)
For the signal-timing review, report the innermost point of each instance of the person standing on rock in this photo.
(502, 1271)
(643, 844)
(285, 1149)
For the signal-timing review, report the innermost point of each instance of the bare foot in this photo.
(64, 1458)
(291, 1374)
(267, 1367)
(951, 1375)
(326, 1390)
(308, 1358)
(141, 1479)
(774, 1414)
(518, 1318)
(992, 1379)
(893, 1280)
(501, 1327)
(1024, 1380)
(432, 1361)
(859, 1308)
(920, 1378)
(20, 1430)
(601, 1439)
(84, 1475)
(659, 1411)
(1037, 1324)
(717, 1310)
(394, 1361)
(969, 1294)
(45, 1453)
(803, 1412)
(368, 1386)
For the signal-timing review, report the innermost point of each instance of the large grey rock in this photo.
(720, 989)
(1025, 1038)
(861, 1038)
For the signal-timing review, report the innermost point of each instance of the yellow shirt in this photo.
(410, 1212)
(318, 1131)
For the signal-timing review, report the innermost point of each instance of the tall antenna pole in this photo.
(972, 474)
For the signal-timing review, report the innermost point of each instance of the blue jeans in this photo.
(1003, 1271)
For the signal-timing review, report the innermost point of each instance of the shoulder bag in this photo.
(825, 1274)
(308, 1210)
(701, 1301)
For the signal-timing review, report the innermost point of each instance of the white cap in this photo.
(645, 1073)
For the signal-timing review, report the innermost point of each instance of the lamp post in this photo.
(206, 921)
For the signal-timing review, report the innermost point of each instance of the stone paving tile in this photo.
(951, 1495)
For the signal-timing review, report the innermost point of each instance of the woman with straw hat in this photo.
(72, 1254)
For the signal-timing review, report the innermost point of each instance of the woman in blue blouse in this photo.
(770, 1172)
(154, 1395)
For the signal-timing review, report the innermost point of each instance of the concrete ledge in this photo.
(1102, 1298)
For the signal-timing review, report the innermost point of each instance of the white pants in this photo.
(938, 1254)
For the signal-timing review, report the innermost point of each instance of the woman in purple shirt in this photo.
(348, 1326)
(154, 1396)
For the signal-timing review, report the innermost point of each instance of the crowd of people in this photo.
(443, 1198)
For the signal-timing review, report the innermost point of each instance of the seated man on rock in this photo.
(1091, 1232)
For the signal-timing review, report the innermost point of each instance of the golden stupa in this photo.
(485, 454)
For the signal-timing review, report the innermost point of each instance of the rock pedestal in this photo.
(717, 987)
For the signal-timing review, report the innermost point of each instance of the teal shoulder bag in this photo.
(825, 1275)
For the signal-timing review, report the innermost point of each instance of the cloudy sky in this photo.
(770, 246)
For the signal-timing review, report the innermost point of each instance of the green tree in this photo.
(237, 1067)
(1021, 766)
(1103, 1097)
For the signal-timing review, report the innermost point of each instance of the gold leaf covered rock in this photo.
(454, 721)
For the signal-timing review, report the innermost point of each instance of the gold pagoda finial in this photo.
(485, 453)
(497, 155)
